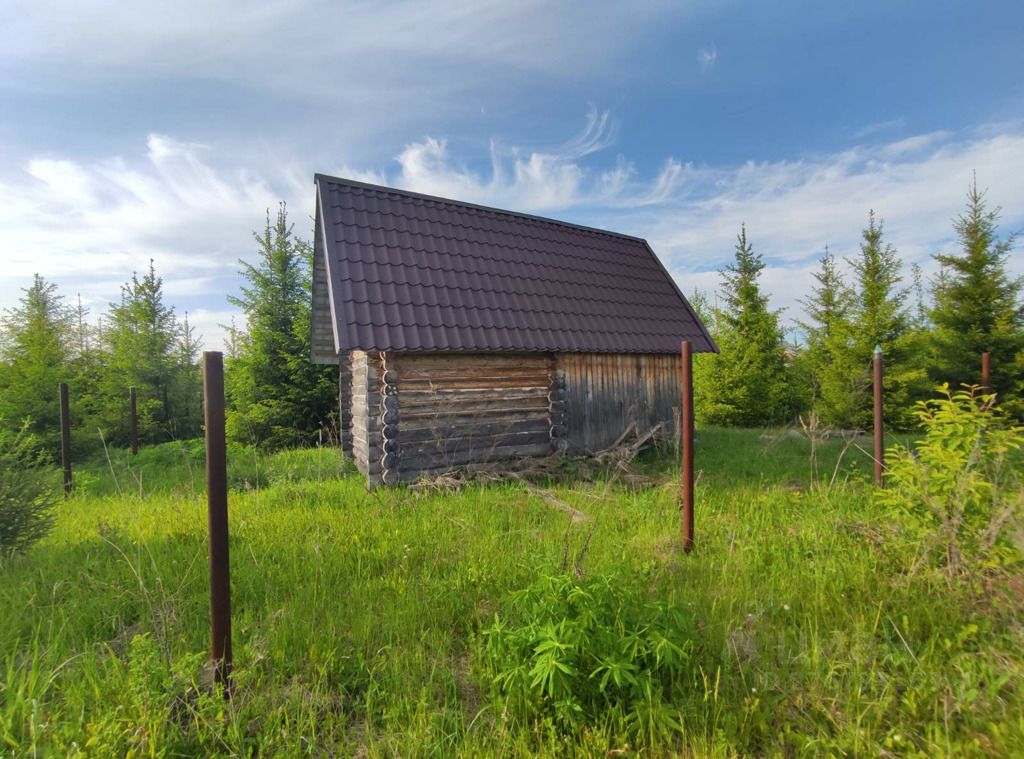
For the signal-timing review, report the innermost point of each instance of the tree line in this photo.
(276, 397)
(929, 332)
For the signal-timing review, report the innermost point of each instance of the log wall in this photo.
(606, 392)
(456, 409)
(345, 404)
(415, 414)
(366, 412)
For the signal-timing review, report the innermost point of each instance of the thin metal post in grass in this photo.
(133, 421)
(879, 443)
(65, 437)
(217, 508)
(986, 372)
(686, 444)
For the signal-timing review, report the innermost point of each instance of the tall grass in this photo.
(357, 614)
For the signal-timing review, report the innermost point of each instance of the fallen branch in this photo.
(556, 466)
(551, 500)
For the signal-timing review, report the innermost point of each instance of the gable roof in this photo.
(411, 272)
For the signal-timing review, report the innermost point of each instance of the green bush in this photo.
(27, 492)
(959, 487)
(578, 652)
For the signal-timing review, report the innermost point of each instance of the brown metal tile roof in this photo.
(411, 272)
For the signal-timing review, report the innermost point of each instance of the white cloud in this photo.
(539, 180)
(792, 208)
(707, 57)
(218, 38)
(69, 218)
(87, 225)
(388, 63)
(878, 127)
(211, 325)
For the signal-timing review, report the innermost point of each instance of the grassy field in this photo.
(358, 615)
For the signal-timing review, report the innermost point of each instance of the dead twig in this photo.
(575, 515)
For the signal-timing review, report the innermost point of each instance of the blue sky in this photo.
(139, 130)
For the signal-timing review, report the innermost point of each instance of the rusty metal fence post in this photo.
(65, 437)
(217, 509)
(133, 421)
(986, 372)
(879, 420)
(686, 444)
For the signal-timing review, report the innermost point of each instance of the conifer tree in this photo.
(141, 338)
(920, 314)
(188, 383)
(87, 370)
(977, 306)
(879, 313)
(277, 396)
(880, 317)
(34, 347)
(233, 340)
(751, 374)
(828, 335)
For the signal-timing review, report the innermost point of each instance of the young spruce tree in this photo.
(141, 338)
(751, 376)
(880, 317)
(277, 396)
(187, 387)
(34, 348)
(828, 334)
(977, 306)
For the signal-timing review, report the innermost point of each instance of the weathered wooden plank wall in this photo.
(322, 325)
(605, 393)
(457, 409)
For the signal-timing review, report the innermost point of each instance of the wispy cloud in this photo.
(792, 208)
(89, 217)
(386, 63)
(707, 57)
(88, 224)
(534, 180)
(878, 127)
(795, 207)
(598, 134)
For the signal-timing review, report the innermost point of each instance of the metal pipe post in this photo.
(217, 508)
(879, 421)
(65, 437)
(686, 443)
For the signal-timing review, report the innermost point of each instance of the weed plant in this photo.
(579, 653)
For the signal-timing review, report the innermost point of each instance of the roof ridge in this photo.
(493, 209)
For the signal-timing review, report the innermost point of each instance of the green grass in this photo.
(357, 614)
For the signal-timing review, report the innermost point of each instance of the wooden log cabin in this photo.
(466, 334)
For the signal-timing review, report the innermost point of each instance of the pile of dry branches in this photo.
(614, 461)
